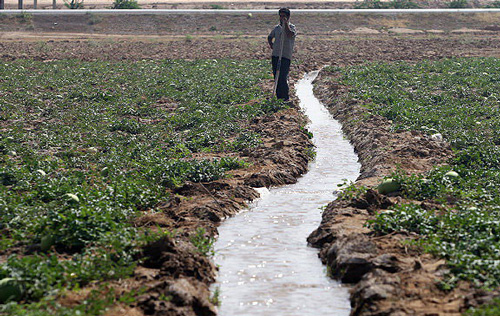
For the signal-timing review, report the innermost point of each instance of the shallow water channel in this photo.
(266, 267)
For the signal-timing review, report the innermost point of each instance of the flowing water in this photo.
(266, 267)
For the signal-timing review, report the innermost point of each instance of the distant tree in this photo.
(458, 4)
(125, 4)
(494, 4)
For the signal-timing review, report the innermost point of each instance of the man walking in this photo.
(284, 39)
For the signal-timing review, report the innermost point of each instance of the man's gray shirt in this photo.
(287, 44)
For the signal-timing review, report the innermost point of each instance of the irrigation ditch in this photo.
(265, 264)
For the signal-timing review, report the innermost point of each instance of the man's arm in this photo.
(270, 40)
(270, 37)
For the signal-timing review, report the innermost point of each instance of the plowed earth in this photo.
(389, 278)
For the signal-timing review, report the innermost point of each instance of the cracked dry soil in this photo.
(388, 278)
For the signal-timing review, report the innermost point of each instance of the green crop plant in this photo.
(203, 243)
(215, 297)
(490, 309)
(348, 190)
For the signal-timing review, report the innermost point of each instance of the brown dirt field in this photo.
(390, 278)
(235, 4)
(198, 4)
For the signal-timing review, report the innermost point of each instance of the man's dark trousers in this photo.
(282, 89)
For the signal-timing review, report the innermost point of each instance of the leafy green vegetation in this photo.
(73, 4)
(493, 5)
(97, 302)
(24, 17)
(85, 147)
(457, 98)
(125, 4)
(458, 4)
(348, 190)
(203, 242)
(215, 297)
(492, 309)
(216, 7)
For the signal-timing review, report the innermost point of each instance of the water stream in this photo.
(266, 267)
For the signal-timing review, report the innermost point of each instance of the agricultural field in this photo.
(88, 147)
(123, 147)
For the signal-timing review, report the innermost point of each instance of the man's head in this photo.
(284, 12)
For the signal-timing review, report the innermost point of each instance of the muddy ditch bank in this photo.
(173, 269)
(388, 276)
